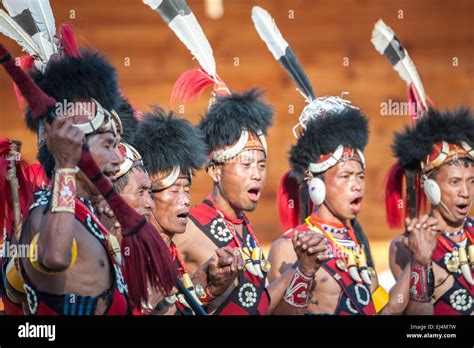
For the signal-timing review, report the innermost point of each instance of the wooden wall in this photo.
(321, 33)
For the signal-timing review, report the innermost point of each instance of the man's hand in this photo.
(65, 142)
(224, 267)
(105, 214)
(423, 234)
(312, 250)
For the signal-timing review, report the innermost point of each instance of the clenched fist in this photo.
(422, 236)
(65, 142)
(312, 250)
(224, 267)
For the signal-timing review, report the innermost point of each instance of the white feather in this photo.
(46, 47)
(192, 35)
(153, 3)
(43, 15)
(15, 7)
(269, 32)
(11, 29)
(382, 35)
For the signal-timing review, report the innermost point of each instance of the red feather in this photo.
(288, 202)
(68, 41)
(36, 175)
(394, 195)
(190, 85)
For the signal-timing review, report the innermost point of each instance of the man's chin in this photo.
(177, 230)
(250, 207)
(453, 216)
(347, 215)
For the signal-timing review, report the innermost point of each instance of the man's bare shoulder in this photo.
(191, 233)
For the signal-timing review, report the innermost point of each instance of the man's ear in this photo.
(214, 171)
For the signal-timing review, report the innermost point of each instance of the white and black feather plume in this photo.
(43, 16)
(386, 43)
(19, 11)
(180, 19)
(270, 34)
(14, 31)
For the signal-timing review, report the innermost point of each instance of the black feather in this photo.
(223, 123)
(413, 144)
(165, 140)
(170, 9)
(294, 68)
(324, 134)
(72, 79)
(128, 119)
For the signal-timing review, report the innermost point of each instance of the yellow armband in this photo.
(39, 267)
(14, 282)
(380, 298)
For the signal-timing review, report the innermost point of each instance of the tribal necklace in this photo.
(252, 254)
(457, 255)
(347, 260)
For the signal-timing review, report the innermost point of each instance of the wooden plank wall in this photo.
(321, 33)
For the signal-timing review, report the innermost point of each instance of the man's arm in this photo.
(399, 294)
(290, 292)
(282, 257)
(413, 255)
(56, 232)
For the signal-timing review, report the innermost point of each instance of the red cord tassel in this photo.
(288, 202)
(26, 64)
(147, 261)
(38, 101)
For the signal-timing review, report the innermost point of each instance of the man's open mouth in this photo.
(183, 217)
(254, 194)
(463, 208)
(355, 205)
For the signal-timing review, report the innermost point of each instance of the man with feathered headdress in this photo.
(234, 129)
(435, 162)
(440, 150)
(319, 200)
(78, 92)
(171, 148)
